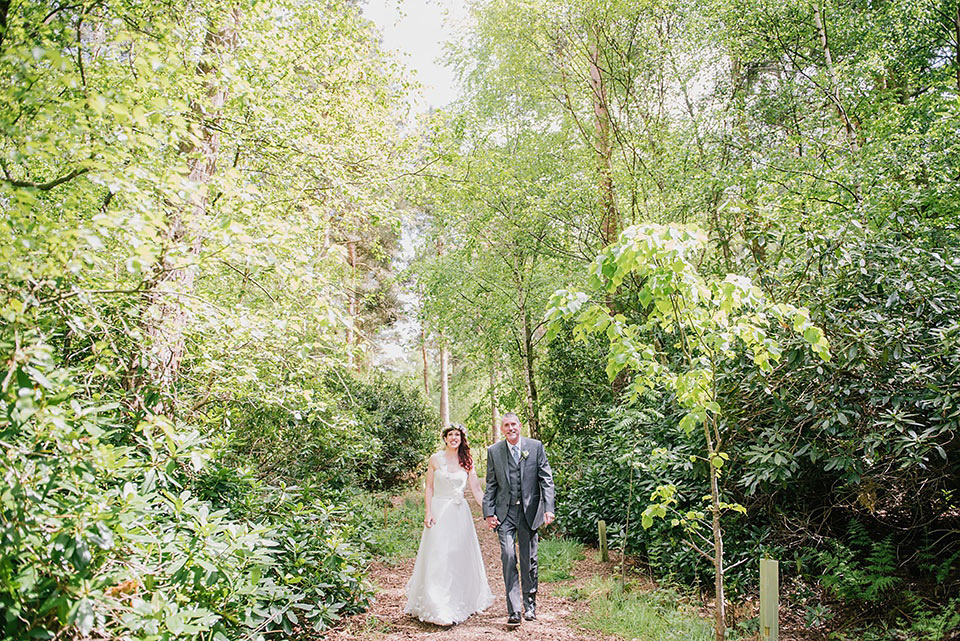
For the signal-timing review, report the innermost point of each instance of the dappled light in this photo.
(256, 255)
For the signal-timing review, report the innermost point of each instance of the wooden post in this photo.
(769, 600)
(602, 530)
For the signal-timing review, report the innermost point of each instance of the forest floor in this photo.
(556, 614)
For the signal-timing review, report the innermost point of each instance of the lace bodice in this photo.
(447, 483)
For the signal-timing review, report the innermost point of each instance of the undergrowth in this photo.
(628, 612)
(396, 525)
(556, 557)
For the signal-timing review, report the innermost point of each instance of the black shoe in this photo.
(530, 614)
(513, 619)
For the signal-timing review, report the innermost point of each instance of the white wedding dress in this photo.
(449, 582)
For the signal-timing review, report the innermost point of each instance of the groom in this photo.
(517, 501)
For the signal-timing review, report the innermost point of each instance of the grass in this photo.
(642, 616)
(397, 530)
(556, 558)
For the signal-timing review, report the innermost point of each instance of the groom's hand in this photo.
(493, 522)
(547, 518)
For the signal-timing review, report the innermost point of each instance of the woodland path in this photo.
(555, 613)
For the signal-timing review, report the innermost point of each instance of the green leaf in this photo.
(663, 305)
(82, 615)
(97, 103)
(645, 297)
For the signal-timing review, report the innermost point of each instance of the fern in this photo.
(929, 626)
(945, 567)
(867, 576)
(879, 573)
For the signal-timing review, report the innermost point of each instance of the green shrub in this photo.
(594, 483)
(576, 389)
(112, 540)
(394, 416)
(312, 443)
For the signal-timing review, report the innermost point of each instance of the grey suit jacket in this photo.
(536, 482)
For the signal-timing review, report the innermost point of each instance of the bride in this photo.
(449, 582)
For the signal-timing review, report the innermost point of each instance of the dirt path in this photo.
(386, 619)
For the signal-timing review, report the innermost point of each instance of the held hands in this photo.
(429, 521)
(493, 522)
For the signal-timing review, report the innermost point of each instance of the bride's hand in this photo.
(429, 521)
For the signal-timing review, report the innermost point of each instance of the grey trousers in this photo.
(518, 542)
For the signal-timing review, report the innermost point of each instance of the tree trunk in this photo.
(426, 369)
(530, 384)
(956, 31)
(166, 317)
(351, 334)
(720, 613)
(604, 144)
(444, 375)
(832, 75)
(444, 386)
(494, 410)
(720, 609)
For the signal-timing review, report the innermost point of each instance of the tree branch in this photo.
(248, 279)
(693, 545)
(46, 186)
(90, 292)
(4, 11)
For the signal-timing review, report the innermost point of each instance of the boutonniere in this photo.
(524, 454)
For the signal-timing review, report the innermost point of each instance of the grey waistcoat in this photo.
(513, 473)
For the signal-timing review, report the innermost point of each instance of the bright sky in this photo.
(416, 30)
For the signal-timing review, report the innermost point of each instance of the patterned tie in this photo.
(515, 450)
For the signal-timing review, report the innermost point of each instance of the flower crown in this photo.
(455, 426)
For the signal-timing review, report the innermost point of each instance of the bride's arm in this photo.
(475, 488)
(428, 494)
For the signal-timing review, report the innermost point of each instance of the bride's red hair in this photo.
(463, 452)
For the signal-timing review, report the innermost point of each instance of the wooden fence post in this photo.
(769, 600)
(602, 530)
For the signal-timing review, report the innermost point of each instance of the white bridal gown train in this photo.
(449, 582)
